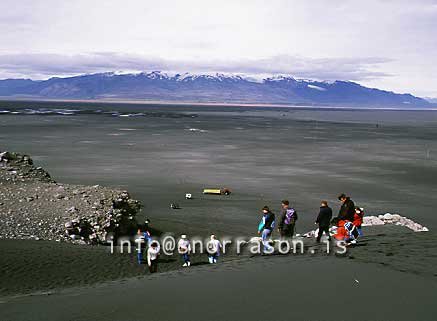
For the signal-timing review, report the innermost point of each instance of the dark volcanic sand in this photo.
(260, 288)
(263, 155)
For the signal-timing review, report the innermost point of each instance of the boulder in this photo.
(387, 216)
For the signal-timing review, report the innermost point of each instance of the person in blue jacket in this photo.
(143, 239)
(139, 240)
(266, 227)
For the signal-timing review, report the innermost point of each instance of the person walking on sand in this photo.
(266, 227)
(139, 240)
(324, 220)
(152, 256)
(142, 240)
(358, 219)
(184, 248)
(288, 220)
(347, 209)
(214, 249)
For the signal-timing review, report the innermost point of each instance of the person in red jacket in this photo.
(341, 234)
(346, 232)
(358, 219)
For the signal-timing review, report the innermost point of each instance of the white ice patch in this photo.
(196, 130)
(316, 87)
(184, 76)
(397, 220)
(381, 220)
(128, 115)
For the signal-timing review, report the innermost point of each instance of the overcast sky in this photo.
(389, 44)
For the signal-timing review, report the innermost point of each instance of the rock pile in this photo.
(34, 206)
(394, 219)
(382, 220)
(372, 221)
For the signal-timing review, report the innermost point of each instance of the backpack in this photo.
(290, 216)
(352, 230)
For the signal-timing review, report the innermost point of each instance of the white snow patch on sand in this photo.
(387, 218)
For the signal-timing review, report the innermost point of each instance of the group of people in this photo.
(286, 225)
(347, 223)
(214, 249)
(347, 228)
(144, 237)
(184, 249)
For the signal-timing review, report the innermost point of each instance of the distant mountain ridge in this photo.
(206, 88)
(431, 100)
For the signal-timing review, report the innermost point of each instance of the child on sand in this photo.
(358, 219)
(142, 241)
(346, 232)
(152, 256)
(214, 249)
(140, 245)
(184, 248)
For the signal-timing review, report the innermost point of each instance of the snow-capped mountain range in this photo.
(207, 88)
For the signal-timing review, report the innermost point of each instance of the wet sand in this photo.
(386, 161)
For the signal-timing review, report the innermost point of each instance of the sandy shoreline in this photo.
(163, 103)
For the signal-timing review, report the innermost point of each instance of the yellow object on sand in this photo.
(222, 191)
(212, 191)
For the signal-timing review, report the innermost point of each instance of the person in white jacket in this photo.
(214, 249)
(184, 248)
(152, 256)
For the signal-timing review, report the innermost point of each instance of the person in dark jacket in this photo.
(324, 220)
(347, 209)
(266, 227)
(288, 220)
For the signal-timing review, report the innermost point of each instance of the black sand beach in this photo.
(228, 293)
(386, 161)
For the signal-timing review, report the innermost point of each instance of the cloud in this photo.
(316, 68)
(41, 66)
(318, 39)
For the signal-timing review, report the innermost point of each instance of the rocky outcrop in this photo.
(34, 206)
(20, 167)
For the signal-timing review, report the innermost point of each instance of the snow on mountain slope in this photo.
(207, 87)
